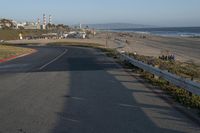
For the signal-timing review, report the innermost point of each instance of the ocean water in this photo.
(174, 31)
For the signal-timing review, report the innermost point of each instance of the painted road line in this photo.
(55, 59)
(127, 105)
(13, 66)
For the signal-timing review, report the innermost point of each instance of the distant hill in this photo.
(109, 26)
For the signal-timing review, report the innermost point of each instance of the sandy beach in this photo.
(185, 49)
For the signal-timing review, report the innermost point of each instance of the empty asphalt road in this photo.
(80, 90)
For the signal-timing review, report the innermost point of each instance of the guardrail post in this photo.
(155, 76)
(190, 93)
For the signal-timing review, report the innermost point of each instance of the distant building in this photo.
(44, 22)
(75, 34)
(43, 36)
(20, 24)
(82, 35)
(31, 25)
(38, 24)
(6, 23)
(50, 19)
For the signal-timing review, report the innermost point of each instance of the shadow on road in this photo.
(98, 102)
(97, 97)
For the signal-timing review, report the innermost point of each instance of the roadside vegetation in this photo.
(13, 34)
(179, 94)
(186, 70)
(11, 51)
(76, 43)
(182, 69)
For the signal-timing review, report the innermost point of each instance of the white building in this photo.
(82, 35)
(30, 25)
(75, 34)
(6, 23)
(20, 24)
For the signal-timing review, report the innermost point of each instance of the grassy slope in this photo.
(8, 34)
(9, 51)
(76, 43)
(14, 34)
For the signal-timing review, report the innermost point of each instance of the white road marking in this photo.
(77, 98)
(13, 66)
(127, 105)
(72, 120)
(58, 57)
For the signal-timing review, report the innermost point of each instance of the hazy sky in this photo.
(150, 12)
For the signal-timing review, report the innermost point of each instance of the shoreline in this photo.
(190, 32)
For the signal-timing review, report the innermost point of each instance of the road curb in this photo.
(15, 57)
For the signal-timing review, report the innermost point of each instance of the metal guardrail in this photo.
(189, 85)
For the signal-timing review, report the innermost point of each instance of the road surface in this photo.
(80, 90)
